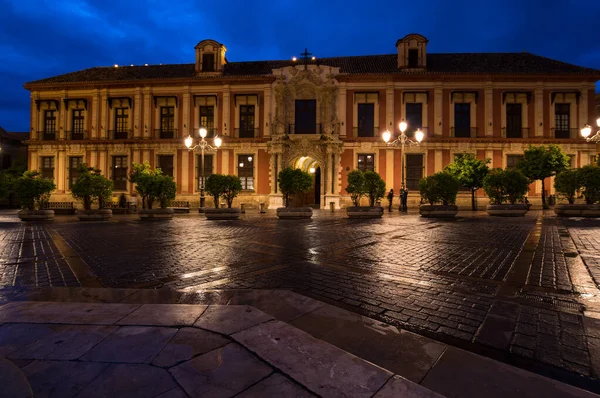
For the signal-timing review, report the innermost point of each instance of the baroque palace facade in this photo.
(324, 115)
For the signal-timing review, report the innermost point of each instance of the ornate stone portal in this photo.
(306, 82)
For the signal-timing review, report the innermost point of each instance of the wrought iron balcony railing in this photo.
(515, 132)
(295, 129)
(76, 134)
(165, 133)
(246, 133)
(565, 133)
(119, 134)
(463, 132)
(365, 132)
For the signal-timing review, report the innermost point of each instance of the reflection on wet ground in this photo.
(519, 286)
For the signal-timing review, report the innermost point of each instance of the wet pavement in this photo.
(522, 290)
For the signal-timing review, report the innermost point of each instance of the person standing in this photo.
(403, 199)
(390, 198)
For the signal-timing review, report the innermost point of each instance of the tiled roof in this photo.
(460, 63)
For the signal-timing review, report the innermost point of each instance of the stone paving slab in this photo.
(13, 383)
(323, 368)
(276, 385)
(377, 342)
(164, 315)
(223, 372)
(231, 318)
(186, 344)
(398, 386)
(47, 378)
(460, 373)
(72, 313)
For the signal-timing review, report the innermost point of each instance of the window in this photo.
(366, 120)
(414, 117)
(208, 62)
(246, 121)
(119, 172)
(48, 167)
(77, 124)
(513, 121)
(562, 120)
(305, 117)
(208, 168)
(462, 120)
(246, 171)
(366, 162)
(165, 162)
(594, 160)
(413, 58)
(512, 160)
(121, 122)
(50, 125)
(207, 120)
(414, 171)
(167, 121)
(74, 162)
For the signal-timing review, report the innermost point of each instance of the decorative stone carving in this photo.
(516, 146)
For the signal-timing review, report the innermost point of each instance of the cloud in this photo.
(42, 38)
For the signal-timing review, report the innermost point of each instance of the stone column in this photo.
(104, 115)
(389, 108)
(341, 104)
(147, 131)
(267, 111)
(489, 110)
(187, 128)
(438, 98)
(539, 112)
(95, 115)
(137, 114)
(226, 127)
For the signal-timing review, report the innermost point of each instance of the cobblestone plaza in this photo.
(522, 290)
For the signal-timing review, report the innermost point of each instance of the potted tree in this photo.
(293, 182)
(33, 192)
(369, 184)
(541, 162)
(441, 187)
(228, 187)
(587, 179)
(153, 186)
(470, 173)
(505, 188)
(92, 187)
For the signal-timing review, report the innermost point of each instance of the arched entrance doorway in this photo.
(313, 197)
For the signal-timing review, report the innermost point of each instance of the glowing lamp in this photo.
(403, 126)
(188, 142)
(386, 136)
(203, 132)
(419, 135)
(218, 141)
(586, 131)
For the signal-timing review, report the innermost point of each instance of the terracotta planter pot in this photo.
(294, 213)
(36, 215)
(577, 210)
(438, 211)
(94, 215)
(222, 213)
(156, 214)
(507, 210)
(364, 211)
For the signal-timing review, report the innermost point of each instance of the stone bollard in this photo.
(242, 208)
(332, 206)
(261, 207)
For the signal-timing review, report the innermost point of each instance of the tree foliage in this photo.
(589, 177)
(228, 186)
(567, 183)
(541, 162)
(470, 173)
(32, 189)
(152, 185)
(503, 186)
(292, 182)
(439, 187)
(8, 179)
(356, 186)
(374, 187)
(91, 187)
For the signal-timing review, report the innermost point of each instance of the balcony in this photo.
(119, 134)
(246, 133)
(365, 132)
(165, 133)
(49, 135)
(515, 132)
(76, 134)
(463, 132)
(564, 133)
(293, 129)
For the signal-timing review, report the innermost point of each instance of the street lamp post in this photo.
(403, 141)
(203, 145)
(586, 132)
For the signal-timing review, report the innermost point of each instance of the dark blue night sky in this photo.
(42, 38)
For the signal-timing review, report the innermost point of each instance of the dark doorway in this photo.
(318, 187)
(306, 117)
(514, 121)
(414, 171)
